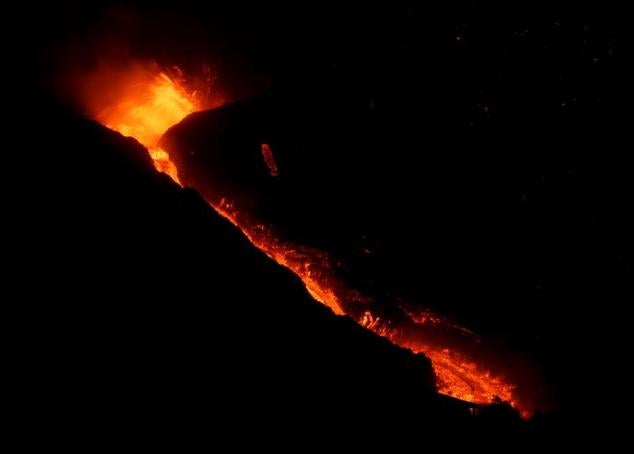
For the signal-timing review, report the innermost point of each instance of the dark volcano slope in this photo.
(525, 240)
(508, 226)
(154, 316)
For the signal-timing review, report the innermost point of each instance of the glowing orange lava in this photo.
(151, 104)
(456, 376)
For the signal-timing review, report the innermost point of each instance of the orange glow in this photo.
(463, 379)
(269, 159)
(151, 103)
(145, 110)
(456, 376)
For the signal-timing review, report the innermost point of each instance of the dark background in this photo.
(480, 152)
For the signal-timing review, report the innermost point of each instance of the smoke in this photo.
(101, 45)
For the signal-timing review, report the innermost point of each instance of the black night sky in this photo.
(466, 157)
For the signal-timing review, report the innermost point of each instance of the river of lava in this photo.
(159, 100)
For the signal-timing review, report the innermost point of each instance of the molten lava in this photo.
(147, 106)
(269, 159)
(146, 109)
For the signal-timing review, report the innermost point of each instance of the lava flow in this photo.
(149, 105)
